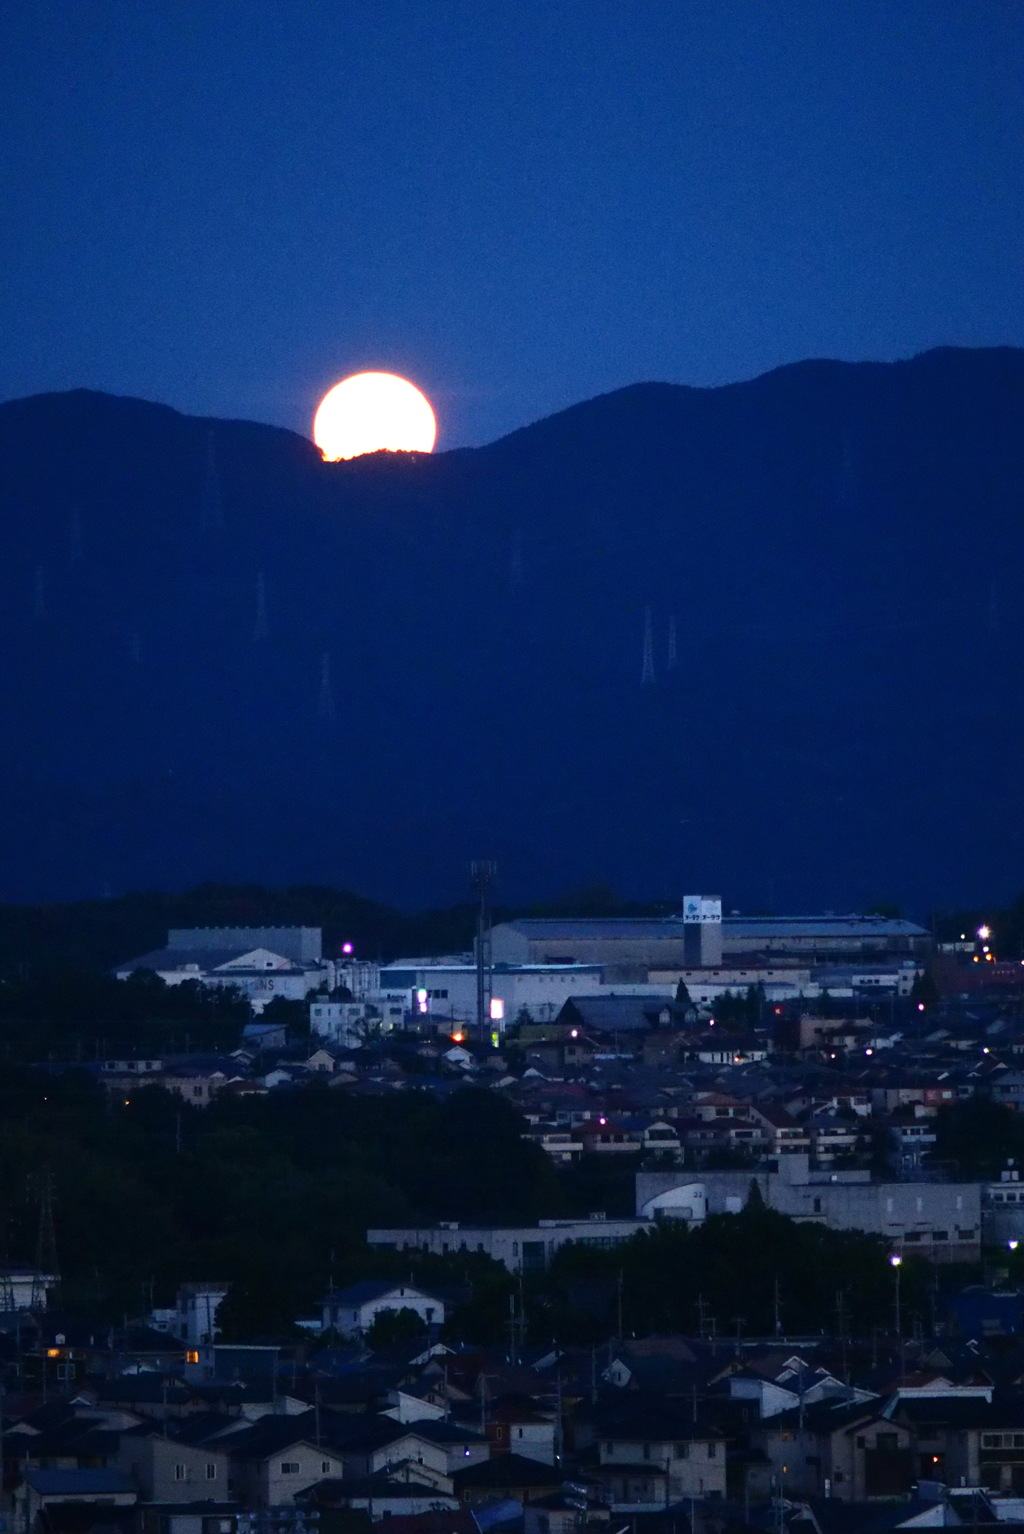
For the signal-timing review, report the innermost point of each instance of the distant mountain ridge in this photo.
(221, 658)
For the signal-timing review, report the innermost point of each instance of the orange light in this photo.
(53, 1352)
(457, 1038)
(192, 1356)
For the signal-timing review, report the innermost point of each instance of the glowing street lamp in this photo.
(896, 1263)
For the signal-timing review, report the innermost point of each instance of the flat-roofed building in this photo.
(825, 939)
(632, 943)
(526, 1248)
(937, 1220)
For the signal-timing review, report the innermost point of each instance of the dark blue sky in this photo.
(229, 204)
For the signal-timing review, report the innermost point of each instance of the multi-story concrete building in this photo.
(937, 1220)
(522, 1248)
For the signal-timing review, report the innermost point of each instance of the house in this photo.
(506, 1475)
(515, 1426)
(386, 1497)
(611, 1135)
(271, 1462)
(422, 1451)
(226, 1365)
(352, 1311)
(721, 1046)
(461, 1445)
(617, 1018)
(557, 1142)
(195, 1317)
(163, 1470)
(653, 1454)
(784, 1135)
(41, 1489)
(966, 1435)
(265, 1035)
(781, 1385)
(197, 1083)
(847, 1450)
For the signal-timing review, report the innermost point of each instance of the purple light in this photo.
(346, 948)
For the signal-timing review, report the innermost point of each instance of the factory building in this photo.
(627, 944)
(700, 938)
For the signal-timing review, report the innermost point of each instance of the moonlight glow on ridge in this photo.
(371, 411)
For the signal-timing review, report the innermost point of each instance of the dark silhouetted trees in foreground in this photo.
(274, 1194)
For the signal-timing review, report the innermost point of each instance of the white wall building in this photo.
(522, 1248)
(24, 1288)
(448, 990)
(352, 1311)
(940, 1221)
(349, 1023)
(261, 962)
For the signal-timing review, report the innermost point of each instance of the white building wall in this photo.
(275, 1486)
(542, 989)
(534, 1440)
(518, 1247)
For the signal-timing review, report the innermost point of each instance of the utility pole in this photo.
(482, 874)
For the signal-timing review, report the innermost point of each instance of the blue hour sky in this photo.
(227, 205)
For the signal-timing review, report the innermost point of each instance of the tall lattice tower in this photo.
(647, 675)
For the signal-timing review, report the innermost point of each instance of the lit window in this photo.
(192, 1356)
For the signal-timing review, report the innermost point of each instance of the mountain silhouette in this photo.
(762, 639)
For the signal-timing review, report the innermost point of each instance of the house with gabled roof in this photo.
(275, 1458)
(353, 1310)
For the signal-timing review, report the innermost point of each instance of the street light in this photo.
(896, 1262)
(1013, 1245)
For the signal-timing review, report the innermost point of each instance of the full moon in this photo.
(370, 411)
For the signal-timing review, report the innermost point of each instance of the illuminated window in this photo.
(192, 1356)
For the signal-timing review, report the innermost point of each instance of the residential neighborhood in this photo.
(801, 1081)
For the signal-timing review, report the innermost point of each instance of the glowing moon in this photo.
(370, 411)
